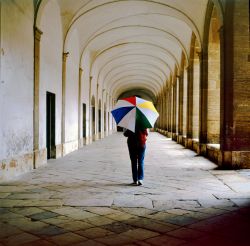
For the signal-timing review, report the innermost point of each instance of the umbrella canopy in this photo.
(134, 113)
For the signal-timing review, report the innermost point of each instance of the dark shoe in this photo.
(134, 183)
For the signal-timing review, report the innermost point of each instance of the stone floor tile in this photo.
(161, 216)
(75, 225)
(7, 230)
(10, 188)
(177, 211)
(9, 215)
(95, 185)
(89, 243)
(133, 201)
(94, 232)
(58, 220)
(100, 220)
(101, 210)
(151, 225)
(68, 238)
(186, 233)
(40, 242)
(115, 240)
(140, 234)
(25, 196)
(165, 240)
(118, 227)
(4, 194)
(27, 211)
(214, 241)
(20, 239)
(49, 231)
(138, 211)
(182, 220)
(120, 216)
(42, 216)
(74, 213)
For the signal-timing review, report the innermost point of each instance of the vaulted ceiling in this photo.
(133, 44)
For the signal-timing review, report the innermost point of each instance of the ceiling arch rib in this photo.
(125, 33)
(135, 59)
(120, 57)
(176, 10)
(131, 76)
(144, 93)
(118, 88)
(149, 32)
(138, 71)
(156, 80)
(136, 45)
(130, 85)
(129, 66)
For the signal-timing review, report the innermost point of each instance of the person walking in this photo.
(137, 145)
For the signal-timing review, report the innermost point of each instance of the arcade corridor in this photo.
(86, 199)
(64, 168)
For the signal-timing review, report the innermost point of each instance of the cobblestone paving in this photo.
(86, 198)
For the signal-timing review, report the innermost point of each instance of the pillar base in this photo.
(202, 149)
(69, 147)
(189, 143)
(174, 136)
(59, 151)
(234, 159)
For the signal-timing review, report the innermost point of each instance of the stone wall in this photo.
(16, 88)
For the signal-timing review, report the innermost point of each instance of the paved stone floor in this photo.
(85, 199)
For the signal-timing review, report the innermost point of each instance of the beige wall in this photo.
(51, 49)
(16, 85)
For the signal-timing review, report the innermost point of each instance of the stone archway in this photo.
(93, 118)
(99, 118)
(214, 80)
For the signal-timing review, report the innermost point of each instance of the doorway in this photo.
(84, 120)
(50, 125)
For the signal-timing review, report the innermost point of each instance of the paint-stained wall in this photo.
(51, 50)
(16, 85)
(71, 94)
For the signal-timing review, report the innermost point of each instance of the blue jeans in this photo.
(137, 154)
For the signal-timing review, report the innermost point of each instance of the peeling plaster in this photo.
(17, 143)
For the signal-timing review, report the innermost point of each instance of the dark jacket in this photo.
(137, 138)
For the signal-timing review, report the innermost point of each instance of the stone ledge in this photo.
(40, 157)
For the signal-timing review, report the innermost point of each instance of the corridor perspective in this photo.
(64, 164)
(86, 198)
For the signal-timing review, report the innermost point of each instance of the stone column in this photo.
(110, 116)
(170, 110)
(64, 67)
(37, 159)
(97, 135)
(90, 110)
(180, 112)
(162, 113)
(80, 139)
(203, 102)
(174, 110)
(189, 106)
(108, 110)
(103, 113)
(235, 125)
(165, 109)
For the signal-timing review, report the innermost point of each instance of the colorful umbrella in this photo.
(134, 113)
